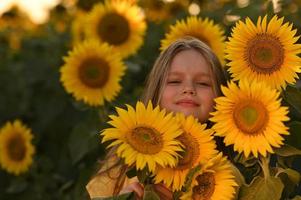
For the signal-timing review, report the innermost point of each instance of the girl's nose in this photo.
(189, 89)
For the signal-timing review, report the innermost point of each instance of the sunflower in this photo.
(78, 27)
(145, 136)
(154, 10)
(214, 181)
(129, 1)
(92, 73)
(250, 117)
(264, 52)
(16, 25)
(16, 150)
(118, 23)
(199, 147)
(159, 10)
(203, 29)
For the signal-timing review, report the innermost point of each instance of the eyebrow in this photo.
(175, 73)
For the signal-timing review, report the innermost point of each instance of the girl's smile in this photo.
(187, 103)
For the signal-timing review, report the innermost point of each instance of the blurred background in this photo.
(35, 35)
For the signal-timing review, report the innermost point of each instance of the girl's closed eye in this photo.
(174, 81)
(204, 83)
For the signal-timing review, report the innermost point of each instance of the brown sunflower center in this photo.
(114, 29)
(175, 7)
(16, 148)
(250, 117)
(94, 72)
(154, 5)
(145, 140)
(205, 187)
(190, 153)
(264, 53)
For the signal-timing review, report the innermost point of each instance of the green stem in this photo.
(264, 163)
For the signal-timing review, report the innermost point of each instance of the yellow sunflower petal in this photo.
(92, 73)
(199, 147)
(118, 23)
(203, 29)
(140, 141)
(16, 149)
(264, 52)
(214, 181)
(254, 120)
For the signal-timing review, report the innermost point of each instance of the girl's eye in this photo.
(174, 82)
(203, 84)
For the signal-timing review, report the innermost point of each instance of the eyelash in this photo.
(179, 81)
(174, 82)
(203, 83)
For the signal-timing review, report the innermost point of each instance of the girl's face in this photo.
(189, 86)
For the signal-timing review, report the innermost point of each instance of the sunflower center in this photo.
(265, 54)
(114, 29)
(175, 7)
(145, 140)
(190, 153)
(154, 5)
(16, 148)
(205, 187)
(250, 117)
(94, 72)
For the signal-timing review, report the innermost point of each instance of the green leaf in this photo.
(290, 178)
(126, 196)
(293, 97)
(262, 189)
(149, 193)
(132, 172)
(189, 177)
(287, 150)
(297, 198)
(240, 179)
(294, 138)
(82, 140)
(142, 175)
(293, 175)
(17, 185)
(246, 162)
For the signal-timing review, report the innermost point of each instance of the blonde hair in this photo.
(158, 75)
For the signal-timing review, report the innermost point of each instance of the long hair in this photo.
(158, 75)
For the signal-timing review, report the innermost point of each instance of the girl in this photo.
(186, 77)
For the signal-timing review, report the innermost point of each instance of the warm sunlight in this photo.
(37, 10)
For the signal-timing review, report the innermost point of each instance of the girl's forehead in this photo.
(189, 61)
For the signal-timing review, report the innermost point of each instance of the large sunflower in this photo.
(16, 150)
(203, 29)
(250, 117)
(199, 147)
(92, 73)
(214, 181)
(265, 52)
(145, 136)
(118, 23)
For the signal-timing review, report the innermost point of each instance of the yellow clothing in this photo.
(103, 184)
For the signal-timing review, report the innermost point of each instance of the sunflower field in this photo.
(71, 84)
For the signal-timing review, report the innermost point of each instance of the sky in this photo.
(37, 10)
